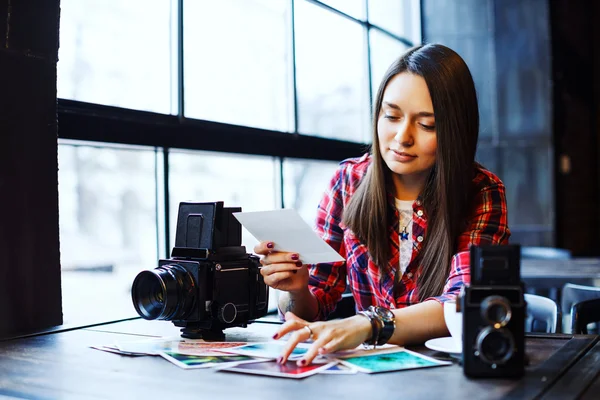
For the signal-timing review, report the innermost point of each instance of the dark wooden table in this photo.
(62, 365)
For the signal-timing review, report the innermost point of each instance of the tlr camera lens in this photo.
(167, 292)
(496, 311)
(495, 346)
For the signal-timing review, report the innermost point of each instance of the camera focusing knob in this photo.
(228, 313)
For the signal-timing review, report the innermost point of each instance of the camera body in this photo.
(493, 308)
(210, 283)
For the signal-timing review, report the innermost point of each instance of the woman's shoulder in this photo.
(357, 162)
(484, 178)
(356, 167)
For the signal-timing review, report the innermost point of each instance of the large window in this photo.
(250, 102)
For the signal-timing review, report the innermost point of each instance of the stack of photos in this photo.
(260, 358)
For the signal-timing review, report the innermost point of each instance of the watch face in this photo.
(384, 313)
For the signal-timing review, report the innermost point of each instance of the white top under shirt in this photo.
(405, 209)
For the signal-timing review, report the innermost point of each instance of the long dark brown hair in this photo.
(447, 193)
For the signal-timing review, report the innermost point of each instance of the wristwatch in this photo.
(388, 323)
(376, 326)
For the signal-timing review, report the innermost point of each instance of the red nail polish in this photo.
(298, 263)
(295, 257)
(275, 336)
(270, 245)
(303, 362)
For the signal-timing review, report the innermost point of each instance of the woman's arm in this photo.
(302, 303)
(418, 323)
(415, 324)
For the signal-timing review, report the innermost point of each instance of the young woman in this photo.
(403, 216)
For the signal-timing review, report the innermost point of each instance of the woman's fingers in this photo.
(274, 268)
(276, 279)
(324, 338)
(264, 248)
(281, 257)
(292, 323)
(299, 334)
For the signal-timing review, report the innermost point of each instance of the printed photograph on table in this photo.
(269, 350)
(197, 348)
(271, 368)
(392, 361)
(151, 347)
(188, 361)
(339, 369)
(114, 349)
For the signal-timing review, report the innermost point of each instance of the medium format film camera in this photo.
(493, 310)
(210, 283)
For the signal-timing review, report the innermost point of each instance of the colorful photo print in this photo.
(114, 349)
(197, 348)
(188, 361)
(339, 369)
(271, 368)
(152, 346)
(271, 350)
(392, 361)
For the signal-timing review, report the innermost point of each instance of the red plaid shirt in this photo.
(487, 224)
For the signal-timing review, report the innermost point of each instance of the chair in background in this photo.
(573, 294)
(542, 314)
(584, 313)
(543, 286)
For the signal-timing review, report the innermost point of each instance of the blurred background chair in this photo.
(542, 314)
(573, 294)
(548, 284)
(584, 313)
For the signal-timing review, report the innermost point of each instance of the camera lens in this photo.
(167, 292)
(496, 310)
(495, 346)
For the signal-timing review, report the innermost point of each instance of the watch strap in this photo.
(388, 325)
(376, 326)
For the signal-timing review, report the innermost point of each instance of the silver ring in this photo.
(310, 332)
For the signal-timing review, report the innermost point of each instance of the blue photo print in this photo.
(269, 350)
(392, 361)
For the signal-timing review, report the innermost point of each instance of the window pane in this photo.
(238, 61)
(401, 17)
(354, 8)
(108, 214)
(109, 54)
(304, 182)
(331, 75)
(384, 50)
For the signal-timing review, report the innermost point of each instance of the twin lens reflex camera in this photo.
(493, 310)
